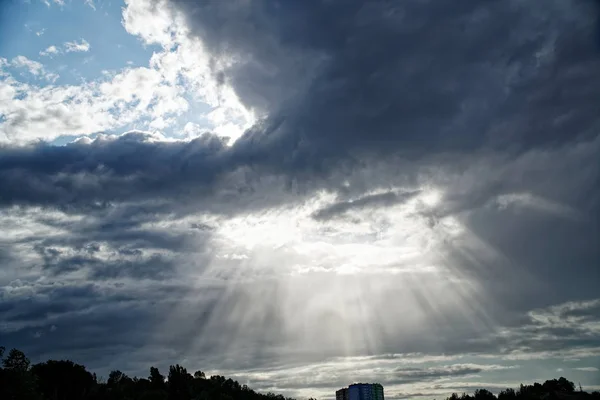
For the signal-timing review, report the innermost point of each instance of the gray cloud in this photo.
(108, 170)
(375, 91)
(408, 395)
(377, 85)
(382, 200)
(419, 374)
(490, 103)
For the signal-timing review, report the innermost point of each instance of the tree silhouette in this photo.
(199, 375)
(483, 394)
(157, 388)
(559, 385)
(179, 383)
(16, 361)
(66, 380)
(63, 380)
(508, 394)
(16, 379)
(554, 389)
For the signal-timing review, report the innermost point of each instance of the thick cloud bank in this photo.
(419, 200)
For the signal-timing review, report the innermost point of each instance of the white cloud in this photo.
(34, 68)
(587, 369)
(40, 32)
(91, 4)
(51, 77)
(59, 2)
(74, 46)
(68, 47)
(416, 297)
(33, 111)
(161, 123)
(184, 57)
(147, 96)
(191, 129)
(50, 51)
(138, 13)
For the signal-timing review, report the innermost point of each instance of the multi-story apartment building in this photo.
(341, 394)
(361, 391)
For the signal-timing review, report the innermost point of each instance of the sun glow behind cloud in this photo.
(401, 209)
(355, 284)
(370, 240)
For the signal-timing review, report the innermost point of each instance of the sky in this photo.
(304, 194)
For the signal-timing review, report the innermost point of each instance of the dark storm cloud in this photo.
(155, 266)
(44, 300)
(493, 102)
(125, 169)
(412, 76)
(344, 82)
(376, 200)
(5, 256)
(111, 245)
(96, 323)
(549, 257)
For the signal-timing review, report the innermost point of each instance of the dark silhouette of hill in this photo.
(66, 380)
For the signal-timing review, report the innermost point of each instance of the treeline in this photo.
(555, 389)
(65, 380)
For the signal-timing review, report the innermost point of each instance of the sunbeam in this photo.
(299, 195)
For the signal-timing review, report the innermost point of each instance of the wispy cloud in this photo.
(35, 68)
(50, 51)
(77, 46)
(410, 198)
(53, 111)
(91, 4)
(587, 369)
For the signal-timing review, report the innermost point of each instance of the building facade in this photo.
(376, 392)
(341, 394)
(362, 391)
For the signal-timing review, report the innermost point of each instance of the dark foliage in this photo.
(65, 380)
(555, 389)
